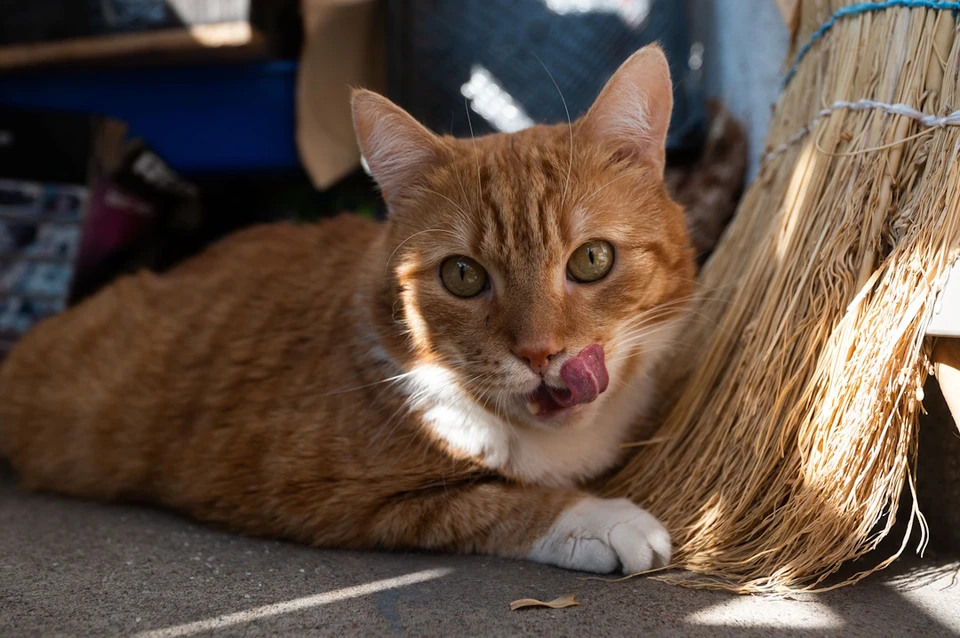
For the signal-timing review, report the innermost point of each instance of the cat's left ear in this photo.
(632, 113)
(395, 146)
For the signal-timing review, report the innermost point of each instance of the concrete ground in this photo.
(69, 567)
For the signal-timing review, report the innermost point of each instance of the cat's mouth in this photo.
(586, 378)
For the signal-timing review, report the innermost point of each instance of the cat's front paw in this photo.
(602, 535)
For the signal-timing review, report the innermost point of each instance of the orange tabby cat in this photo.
(446, 380)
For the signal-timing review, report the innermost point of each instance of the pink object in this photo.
(586, 378)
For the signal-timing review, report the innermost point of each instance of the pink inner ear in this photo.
(394, 145)
(632, 112)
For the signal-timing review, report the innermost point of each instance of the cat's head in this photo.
(540, 270)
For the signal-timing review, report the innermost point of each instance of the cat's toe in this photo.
(641, 543)
(600, 535)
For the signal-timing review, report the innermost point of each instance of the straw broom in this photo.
(785, 449)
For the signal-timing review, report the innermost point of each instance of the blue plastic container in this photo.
(201, 119)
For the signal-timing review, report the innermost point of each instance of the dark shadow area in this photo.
(938, 475)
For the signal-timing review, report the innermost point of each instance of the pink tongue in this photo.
(585, 376)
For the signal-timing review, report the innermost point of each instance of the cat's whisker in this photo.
(654, 314)
(594, 193)
(566, 184)
(642, 347)
(673, 303)
(400, 245)
(487, 389)
(485, 396)
(640, 335)
(678, 308)
(646, 342)
(460, 183)
(629, 356)
(641, 329)
(636, 351)
(368, 385)
(476, 153)
(640, 338)
(455, 204)
(648, 327)
(638, 332)
(665, 310)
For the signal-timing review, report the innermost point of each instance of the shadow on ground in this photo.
(73, 567)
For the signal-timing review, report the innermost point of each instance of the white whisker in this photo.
(368, 385)
(400, 245)
(476, 153)
(569, 125)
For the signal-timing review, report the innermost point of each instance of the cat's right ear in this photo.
(632, 112)
(395, 146)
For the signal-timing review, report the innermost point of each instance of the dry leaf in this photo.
(567, 600)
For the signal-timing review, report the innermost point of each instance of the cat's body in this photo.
(320, 383)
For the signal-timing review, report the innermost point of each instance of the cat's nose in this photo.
(537, 355)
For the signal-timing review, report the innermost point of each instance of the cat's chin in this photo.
(550, 408)
(553, 419)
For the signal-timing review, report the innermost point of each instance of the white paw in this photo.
(601, 535)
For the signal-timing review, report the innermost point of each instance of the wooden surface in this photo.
(946, 365)
(790, 12)
(232, 37)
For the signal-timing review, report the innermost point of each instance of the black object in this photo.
(43, 20)
(31, 21)
(45, 146)
(436, 47)
(44, 168)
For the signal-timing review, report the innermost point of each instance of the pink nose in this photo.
(537, 355)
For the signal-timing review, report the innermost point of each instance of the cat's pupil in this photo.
(590, 255)
(463, 270)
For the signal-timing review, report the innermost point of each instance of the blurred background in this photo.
(135, 132)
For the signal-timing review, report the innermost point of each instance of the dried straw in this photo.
(784, 451)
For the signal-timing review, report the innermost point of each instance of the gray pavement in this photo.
(69, 567)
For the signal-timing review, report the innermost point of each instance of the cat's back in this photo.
(143, 359)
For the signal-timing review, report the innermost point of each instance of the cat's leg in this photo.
(565, 528)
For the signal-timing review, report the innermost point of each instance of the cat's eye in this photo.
(591, 261)
(463, 276)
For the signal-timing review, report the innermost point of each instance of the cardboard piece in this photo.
(790, 12)
(343, 48)
(946, 366)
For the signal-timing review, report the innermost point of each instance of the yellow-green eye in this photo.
(463, 276)
(591, 261)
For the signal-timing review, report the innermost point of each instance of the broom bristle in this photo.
(789, 441)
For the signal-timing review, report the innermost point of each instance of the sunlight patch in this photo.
(782, 615)
(491, 102)
(297, 604)
(631, 12)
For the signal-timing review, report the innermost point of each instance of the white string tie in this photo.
(925, 119)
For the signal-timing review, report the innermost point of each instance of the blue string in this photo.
(855, 9)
